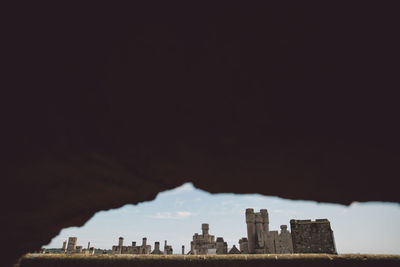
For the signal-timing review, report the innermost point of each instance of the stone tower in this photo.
(120, 244)
(203, 243)
(156, 250)
(71, 247)
(64, 247)
(251, 230)
(259, 237)
(205, 228)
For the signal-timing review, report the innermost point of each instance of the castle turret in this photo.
(259, 230)
(265, 217)
(71, 247)
(64, 247)
(251, 230)
(120, 244)
(183, 250)
(192, 248)
(156, 248)
(220, 245)
(204, 228)
(243, 245)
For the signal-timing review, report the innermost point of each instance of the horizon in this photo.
(176, 215)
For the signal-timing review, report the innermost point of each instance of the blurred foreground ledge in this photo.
(211, 260)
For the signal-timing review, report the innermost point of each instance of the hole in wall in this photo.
(175, 215)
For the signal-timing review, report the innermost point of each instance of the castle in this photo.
(260, 239)
(121, 249)
(206, 244)
(142, 249)
(306, 236)
(72, 248)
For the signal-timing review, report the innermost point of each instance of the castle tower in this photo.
(251, 230)
(64, 247)
(120, 244)
(243, 245)
(144, 241)
(265, 217)
(220, 245)
(183, 250)
(71, 247)
(157, 250)
(205, 228)
(259, 231)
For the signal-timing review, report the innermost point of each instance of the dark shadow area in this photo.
(104, 105)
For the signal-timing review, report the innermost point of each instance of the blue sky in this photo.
(175, 215)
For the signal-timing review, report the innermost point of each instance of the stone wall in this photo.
(312, 236)
(284, 244)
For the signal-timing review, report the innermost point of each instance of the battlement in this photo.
(249, 211)
(309, 221)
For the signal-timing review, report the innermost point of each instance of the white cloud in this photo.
(184, 214)
(172, 215)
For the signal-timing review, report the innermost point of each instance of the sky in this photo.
(175, 215)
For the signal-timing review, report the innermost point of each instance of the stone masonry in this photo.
(312, 236)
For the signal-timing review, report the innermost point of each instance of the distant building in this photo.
(64, 247)
(156, 250)
(307, 236)
(234, 250)
(312, 236)
(244, 245)
(260, 240)
(72, 248)
(167, 248)
(121, 249)
(206, 244)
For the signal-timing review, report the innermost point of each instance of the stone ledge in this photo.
(211, 260)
